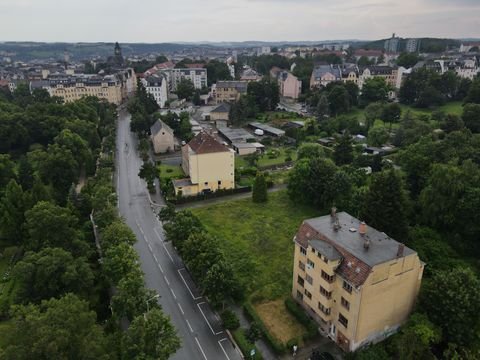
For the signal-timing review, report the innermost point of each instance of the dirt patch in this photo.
(279, 321)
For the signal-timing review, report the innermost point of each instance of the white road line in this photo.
(190, 291)
(156, 232)
(166, 280)
(174, 296)
(160, 267)
(136, 222)
(200, 347)
(210, 326)
(149, 246)
(168, 253)
(220, 343)
(181, 310)
(189, 326)
(155, 257)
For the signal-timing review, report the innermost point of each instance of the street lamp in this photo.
(156, 296)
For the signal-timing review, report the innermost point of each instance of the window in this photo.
(325, 260)
(324, 292)
(319, 255)
(347, 286)
(311, 263)
(343, 320)
(301, 265)
(309, 279)
(299, 295)
(308, 293)
(328, 278)
(303, 250)
(323, 309)
(206, 183)
(345, 303)
(219, 182)
(300, 281)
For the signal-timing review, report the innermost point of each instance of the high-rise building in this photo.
(412, 45)
(392, 44)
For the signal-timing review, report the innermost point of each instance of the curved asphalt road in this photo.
(199, 328)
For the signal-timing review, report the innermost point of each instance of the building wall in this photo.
(163, 142)
(291, 87)
(219, 116)
(111, 93)
(207, 169)
(160, 93)
(226, 95)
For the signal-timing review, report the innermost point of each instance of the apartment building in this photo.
(228, 91)
(198, 76)
(358, 284)
(288, 84)
(322, 75)
(156, 84)
(209, 165)
(388, 73)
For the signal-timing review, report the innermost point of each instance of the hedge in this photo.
(216, 194)
(276, 345)
(245, 345)
(301, 316)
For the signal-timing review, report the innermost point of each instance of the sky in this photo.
(155, 21)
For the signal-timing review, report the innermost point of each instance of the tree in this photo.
(63, 328)
(343, 153)
(12, 208)
(391, 113)
(167, 213)
(219, 283)
(150, 337)
(339, 100)
(196, 98)
(117, 233)
(7, 172)
(374, 89)
(451, 301)
(471, 117)
(353, 92)
(200, 252)
(310, 151)
(386, 205)
(148, 172)
(265, 94)
(323, 107)
(365, 61)
(217, 70)
(185, 89)
(259, 194)
(377, 136)
(52, 272)
(407, 60)
(183, 225)
(473, 95)
(452, 123)
(373, 112)
(118, 261)
(25, 173)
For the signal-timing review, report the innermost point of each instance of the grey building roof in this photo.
(382, 248)
(267, 128)
(234, 135)
(240, 86)
(223, 107)
(158, 126)
(321, 70)
(325, 249)
(181, 182)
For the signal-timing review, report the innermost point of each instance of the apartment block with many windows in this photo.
(356, 282)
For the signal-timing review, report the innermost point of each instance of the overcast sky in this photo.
(238, 20)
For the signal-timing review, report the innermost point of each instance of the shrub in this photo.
(230, 320)
(245, 346)
(299, 314)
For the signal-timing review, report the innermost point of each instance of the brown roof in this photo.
(204, 143)
(348, 266)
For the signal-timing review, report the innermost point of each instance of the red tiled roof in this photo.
(204, 143)
(351, 269)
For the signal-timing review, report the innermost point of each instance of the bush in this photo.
(276, 345)
(230, 320)
(245, 346)
(301, 316)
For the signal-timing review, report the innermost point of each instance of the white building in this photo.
(198, 76)
(412, 45)
(156, 85)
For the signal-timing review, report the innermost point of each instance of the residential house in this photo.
(322, 75)
(162, 137)
(358, 284)
(209, 165)
(228, 91)
(288, 84)
(156, 84)
(250, 75)
(388, 73)
(221, 112)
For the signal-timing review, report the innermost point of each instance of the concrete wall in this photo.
(163, 142)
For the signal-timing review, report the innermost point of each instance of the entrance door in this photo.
(333, 331)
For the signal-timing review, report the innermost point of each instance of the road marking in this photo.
(200, 346)
(136, 222)
(160, 267)
(166, 280)
(155, 257)
(168, 253)
(149, 246)
(156, 232)
(210, 326)
(220, 343)
(189, 326)
(181, 310)
(190, 291)
(174, 296)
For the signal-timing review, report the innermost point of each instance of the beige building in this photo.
(228, 91)
(356, 282)
(162, 137)
(221, 112)
(289, 85)
(209, 165)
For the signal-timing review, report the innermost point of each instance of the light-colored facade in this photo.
(289, 85)
(356, 282)
(162, 137)
(156, 85)
(209, 165)
(323, 75)
(228, 91)
(388, 73)
(221, 112)
(198, 76)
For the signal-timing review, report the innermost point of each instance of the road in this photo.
(199, 328)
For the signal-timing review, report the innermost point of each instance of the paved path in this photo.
(203, 203)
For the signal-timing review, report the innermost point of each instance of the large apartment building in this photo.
(198, 76)
(156, 84)
(359, 284)
(209, 165)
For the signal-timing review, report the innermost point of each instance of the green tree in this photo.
(265, 94)
(471, 117)
(339, 100)
(117, 233)
(200, 252)
(407, 60)
(391, 114)
(25, 173)
(118, 261)
(386, 205)
(219, 283)
(7, 171)
(377, 136)
(451, 301)
(452, 123)
(150, 337)
(185, 89)
(375, 89)
(373, 112)
(310, 151)
(259, 194)
(167, 213)
(62, 328)
(148, 172)
(12, 208)
(323, 107)
(473, 95)
(52, 272)
(184, 224)
(343, 152)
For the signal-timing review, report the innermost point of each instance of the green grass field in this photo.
(257, 239)
(171, 171)
(265, 160)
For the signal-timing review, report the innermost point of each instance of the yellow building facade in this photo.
(209, 165)
(356, 282)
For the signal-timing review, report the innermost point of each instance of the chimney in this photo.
(401, 247)
(333, 212)
(362, 229)
(366, 244)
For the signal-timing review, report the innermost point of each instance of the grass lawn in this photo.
(171, 171)
(265, 160)
(257, 240)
